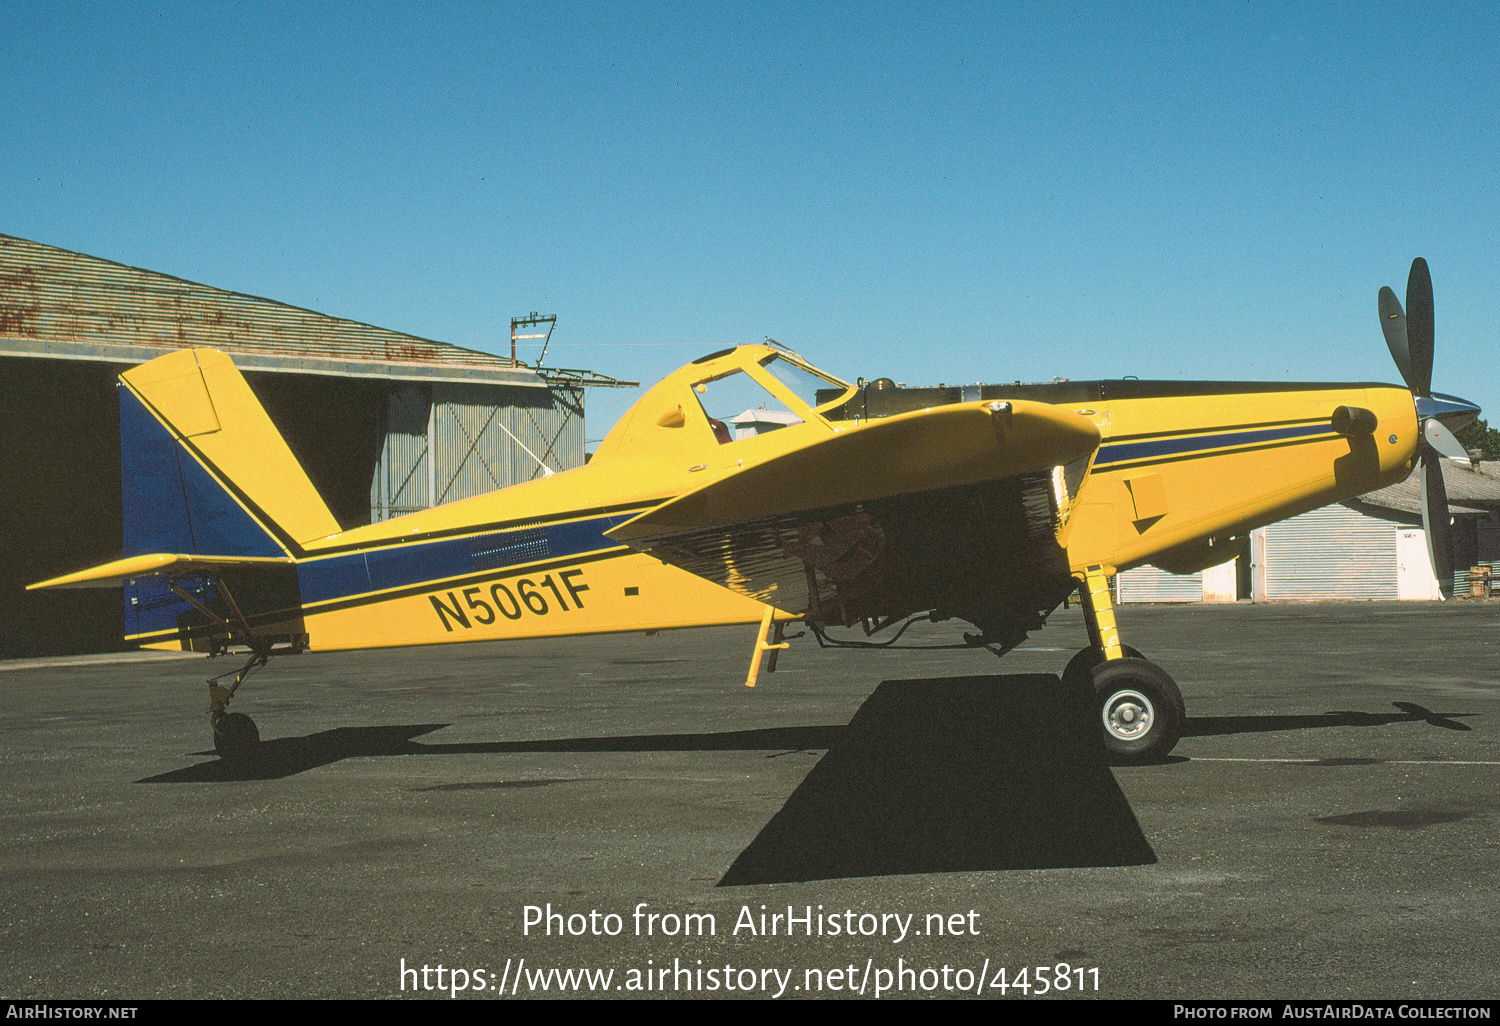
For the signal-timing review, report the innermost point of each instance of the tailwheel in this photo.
(236, 738)
(1140, 710)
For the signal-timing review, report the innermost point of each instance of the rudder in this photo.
(204, 470)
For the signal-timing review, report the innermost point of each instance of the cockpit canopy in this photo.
(727, 397)
(742, 403)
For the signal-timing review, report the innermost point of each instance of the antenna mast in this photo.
(532, 320)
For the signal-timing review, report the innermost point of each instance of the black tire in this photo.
(235, 736)
(1139, 710)
(1078, 678)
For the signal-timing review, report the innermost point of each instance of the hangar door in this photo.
(1331, 553)
(1150, 584)
(445, 442)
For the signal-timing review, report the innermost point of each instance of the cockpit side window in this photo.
(739, 407)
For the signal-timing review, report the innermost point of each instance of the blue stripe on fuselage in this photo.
(397, 566)
(1123, 452)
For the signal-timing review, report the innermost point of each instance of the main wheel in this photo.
(1140, 710)
(1080, 672)
(235, 736)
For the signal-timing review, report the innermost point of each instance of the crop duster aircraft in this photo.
(835, 505)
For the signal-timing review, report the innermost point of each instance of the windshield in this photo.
(813, 389)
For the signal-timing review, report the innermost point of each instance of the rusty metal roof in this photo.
(1470, 489)
(57, 303)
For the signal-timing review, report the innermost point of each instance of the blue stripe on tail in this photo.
(171, 504)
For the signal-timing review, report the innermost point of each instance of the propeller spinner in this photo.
(1409, 336)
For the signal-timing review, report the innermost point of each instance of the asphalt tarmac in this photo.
(1326, 828)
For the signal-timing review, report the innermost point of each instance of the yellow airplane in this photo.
(749, 487)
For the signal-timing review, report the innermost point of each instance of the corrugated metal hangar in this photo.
(384, 423)
(1370, 548)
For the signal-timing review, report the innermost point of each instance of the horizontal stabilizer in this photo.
(154, 564)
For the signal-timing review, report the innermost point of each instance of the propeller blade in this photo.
(1435, 519)
(1440, 438)
(1419, 330)
(1393, 325)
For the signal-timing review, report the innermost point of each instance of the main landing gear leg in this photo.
(1136, 706)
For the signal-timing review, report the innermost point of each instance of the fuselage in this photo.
(1181, 473)
(1181, 466)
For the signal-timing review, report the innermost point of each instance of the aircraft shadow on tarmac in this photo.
(935, 775)
(1210, 726)
(952, 775)
(975, 773)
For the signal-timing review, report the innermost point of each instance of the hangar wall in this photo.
(442, 443)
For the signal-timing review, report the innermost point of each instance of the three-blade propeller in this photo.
(1409, 335)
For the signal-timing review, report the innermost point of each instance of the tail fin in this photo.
(204, 470)
(213, 500)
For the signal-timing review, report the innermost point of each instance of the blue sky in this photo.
(930, 192)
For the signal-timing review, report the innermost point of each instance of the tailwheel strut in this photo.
(1136, 706)
(236, 736)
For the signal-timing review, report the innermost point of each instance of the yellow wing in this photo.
(933, 509)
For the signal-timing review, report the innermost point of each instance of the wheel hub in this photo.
(1128, 715)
